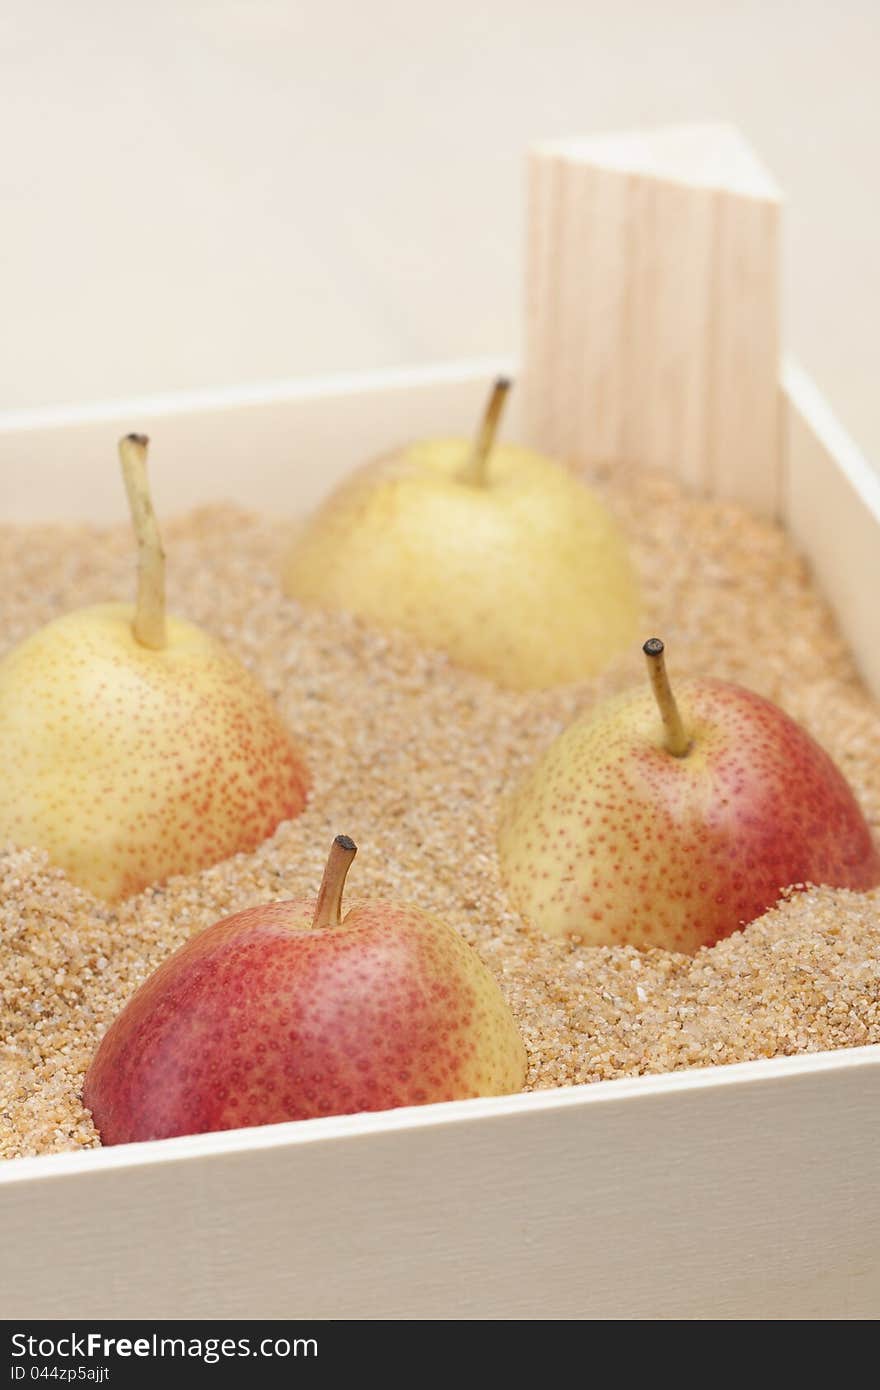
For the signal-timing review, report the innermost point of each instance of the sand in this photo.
(409, 757)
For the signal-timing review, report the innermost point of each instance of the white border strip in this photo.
(815, 411)
(257, 393)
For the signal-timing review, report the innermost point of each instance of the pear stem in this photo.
(476, 470)
(328, 908)
(149, 617)
(677, 739)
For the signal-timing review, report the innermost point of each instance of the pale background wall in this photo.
(201, 192)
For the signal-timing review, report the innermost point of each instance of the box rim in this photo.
(256, 393)
(293, 1133)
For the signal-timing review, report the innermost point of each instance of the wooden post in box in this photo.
(652, 311)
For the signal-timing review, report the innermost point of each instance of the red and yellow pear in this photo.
(672, 822)
(133, 745)
(291, 1010)
(494, 554)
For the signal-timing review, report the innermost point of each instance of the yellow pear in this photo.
(496, 555)
(133, 745)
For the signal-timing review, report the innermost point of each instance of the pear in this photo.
(290, 1010)
(493, 553)
(662, 826)
(133, 745)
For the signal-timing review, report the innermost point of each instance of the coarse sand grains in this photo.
(409, 757)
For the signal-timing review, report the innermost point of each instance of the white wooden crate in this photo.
(743, 1191)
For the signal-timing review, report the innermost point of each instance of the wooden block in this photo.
(652, 308)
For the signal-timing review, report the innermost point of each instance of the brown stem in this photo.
(476, 470)
(149, 617)
(328, 908)
(677, 739)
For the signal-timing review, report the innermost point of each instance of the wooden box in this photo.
(744, 1191)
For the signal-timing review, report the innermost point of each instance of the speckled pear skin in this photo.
(128, 764)
(611, 839)
(261, 1018)
(526, 580)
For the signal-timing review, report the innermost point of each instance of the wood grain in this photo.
(652, 308)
